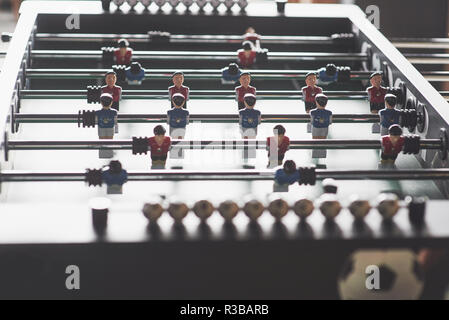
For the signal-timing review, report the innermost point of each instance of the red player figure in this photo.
(244, 88)
(310, 91)
(246, 55)
(178, 87)
(123, 55)
(376, 96)
(308, 94)
(392, 144)
(112, 89)
(277, 146)
(251, 35)
(159, 147)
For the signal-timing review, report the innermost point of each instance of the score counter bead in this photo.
(178, 211)
(387, 205)
(228, 210)
(253, 209)
(303, 208)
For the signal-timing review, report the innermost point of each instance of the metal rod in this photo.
(207, 144)
(164, 74)
(418, 58)
(207, 74)
(418, 43)
(207, 118)
(201, 55)
(194, 94)
(238, 175)
(180, 38)
(427, 58)
(421, 43)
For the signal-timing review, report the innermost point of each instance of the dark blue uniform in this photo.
(249, 118)
(106, 118)
(115, 178)
(177, 117)
(282, 178)
(135, 77)
(389, 117)
(321, 118)
(228, 77)
(323, 77)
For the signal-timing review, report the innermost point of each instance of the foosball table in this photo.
(212, 222)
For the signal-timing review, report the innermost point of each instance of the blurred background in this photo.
(411, 18)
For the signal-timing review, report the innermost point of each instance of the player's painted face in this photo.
(122, 51)
(376, 81)
(250, 30)
(311, 81)
(394, 139)
(245, 80)
(111, 79)
(178, 80)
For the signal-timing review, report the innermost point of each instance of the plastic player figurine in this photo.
(309, 92)
(159, 147)
(249, 117)
(392, 144)
(114, 177)
(287, 175)
(376, 96)
(177, 117)
(251, 35)
(246, 55)
(328, 74)
(112, 89)
(277, 146)
(178, 87)
(389, 115)
(320, 119)
(376, 93)
(230, 74)
(106, 120)
(123, 55)
(135, 74)
(244, 88)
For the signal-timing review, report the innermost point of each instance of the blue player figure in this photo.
(134, 74)
(106, 120)
(285, 176)
(328, 74)
(114, 177)
(389, 115)
(321, 119)
(249, 117)
(230, 74)
(177, 119)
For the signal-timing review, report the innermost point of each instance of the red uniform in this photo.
(246, 62)
(309, 93)
(115, 91)
(159, 150)
(388, 150)
(126, 59)
(240, 92)
(376, 95)
(182, 90)
(282, 148)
